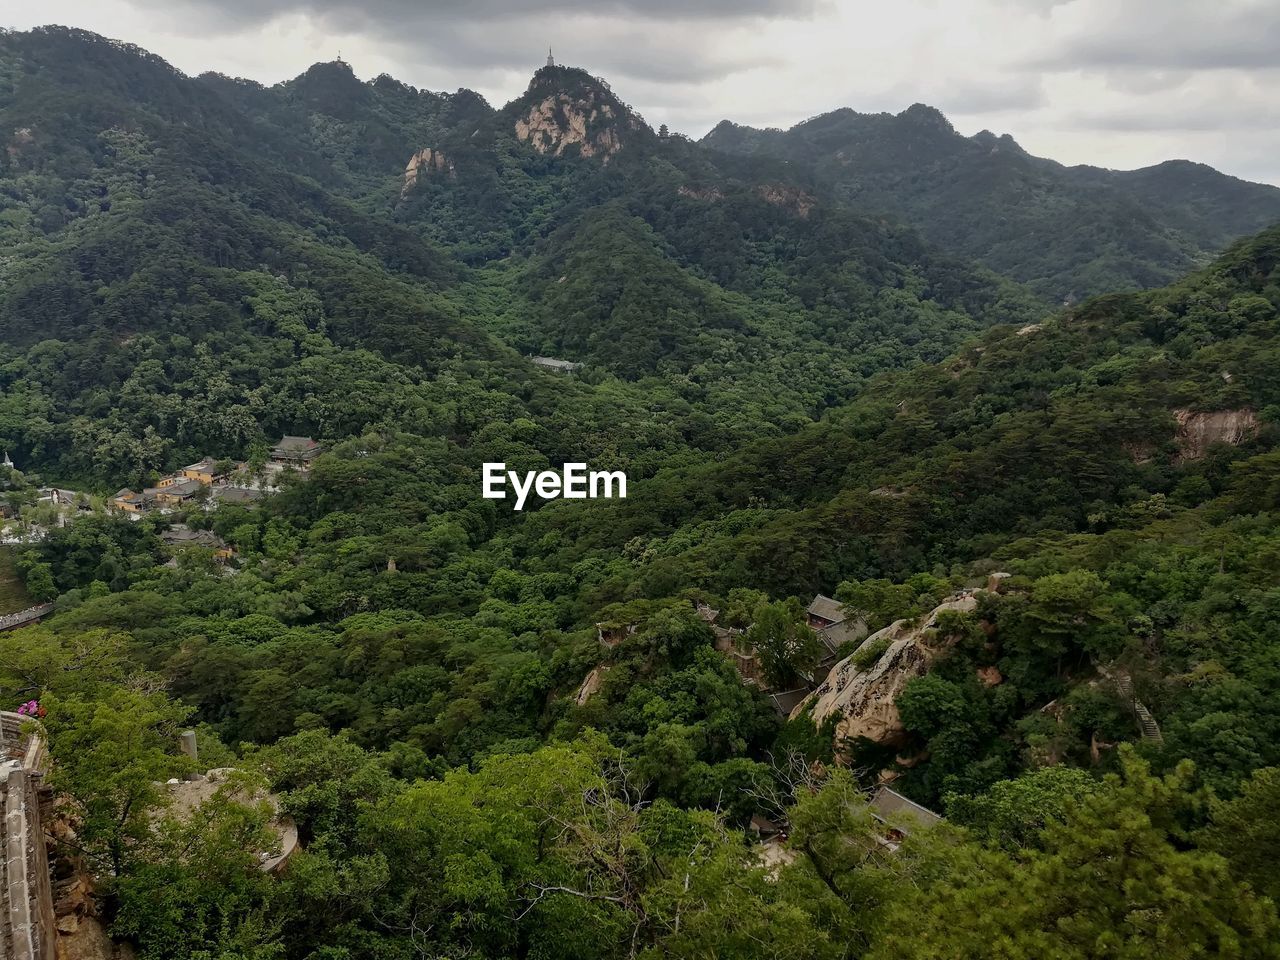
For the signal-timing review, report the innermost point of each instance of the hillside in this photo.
(1124, 439)
(1067, 232)
(1119, 461)
(1024, 430)
(155, 220)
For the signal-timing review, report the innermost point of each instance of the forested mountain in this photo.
(531, 734)
(1067, 232)
(156, 219)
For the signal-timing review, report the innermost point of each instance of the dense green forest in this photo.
(806, 396)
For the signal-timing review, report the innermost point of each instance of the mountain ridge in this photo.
(1067, 231)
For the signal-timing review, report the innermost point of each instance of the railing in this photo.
(27, 922)
(12, 620)
(1146, 722)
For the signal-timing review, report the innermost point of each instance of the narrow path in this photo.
(30, 615)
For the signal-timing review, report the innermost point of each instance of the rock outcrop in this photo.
(793, 198)
(559, 121)
(1197, 431)
(85, 938)
(866, 697)
(425, 161)
(591, 685)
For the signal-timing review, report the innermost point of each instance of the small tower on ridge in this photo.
(551, 61)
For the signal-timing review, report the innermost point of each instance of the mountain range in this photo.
(1067, 232)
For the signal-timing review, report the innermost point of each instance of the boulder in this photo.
(866, 698)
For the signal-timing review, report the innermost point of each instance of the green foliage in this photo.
(115, 754)
(13, 594)
(199, 892)
(1113, 875)
(880, 602)
(786, 647)
(195, 266)
(869, 652)
(1246, 830)
(1014, 813)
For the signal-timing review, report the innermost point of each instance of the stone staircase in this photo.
(1146, 722)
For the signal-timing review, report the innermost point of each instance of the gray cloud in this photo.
(1173, 34)
(658, 40)
(659, 54)
(1202, 117)
(397, 16)
(1039, 6)
(1142, 81)
(974, 96)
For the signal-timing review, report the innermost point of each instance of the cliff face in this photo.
(425, 161)
(866, 698)
(558, 122)
(792, 198)
(566, 107)
(591, 684)
(1197, 431)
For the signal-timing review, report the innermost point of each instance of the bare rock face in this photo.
(1197, 431)
(426, 161)
(793, 198)
(559, 121)
(867, 698)
(591, 685)
(85, 938)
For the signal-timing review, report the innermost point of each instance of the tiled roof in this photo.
(237, 494)
(787, 700)
(844, 631)
(296, 444)
(180, 488)
(826, 608)
(182, 535)
(889, 804)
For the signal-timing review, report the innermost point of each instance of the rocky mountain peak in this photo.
(566, 108)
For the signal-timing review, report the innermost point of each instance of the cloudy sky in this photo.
(1119, 83)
